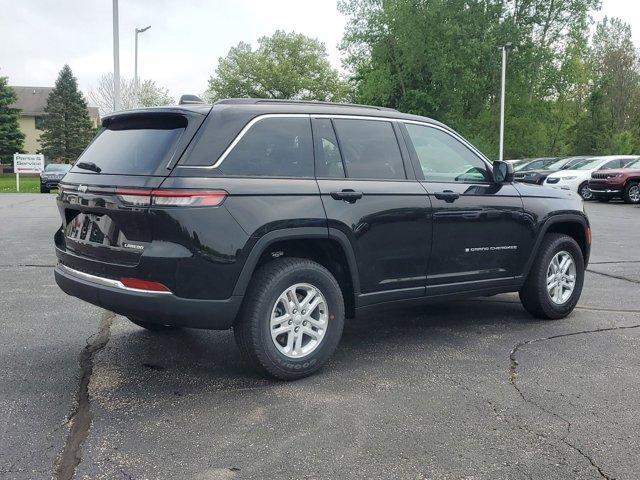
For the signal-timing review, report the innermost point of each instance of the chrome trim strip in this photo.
(107, 282)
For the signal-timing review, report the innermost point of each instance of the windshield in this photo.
(569, 165)
(137, 145)
(536, 165)
(633, 164)
(57, 167)
(557, 165)
(586, 164)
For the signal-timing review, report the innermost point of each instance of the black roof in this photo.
(260, 106)
(252, 107)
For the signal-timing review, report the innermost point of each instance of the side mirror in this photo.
(502, 172)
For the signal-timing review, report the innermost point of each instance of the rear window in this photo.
(134, 145)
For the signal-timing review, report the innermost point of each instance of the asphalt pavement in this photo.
(473, 389)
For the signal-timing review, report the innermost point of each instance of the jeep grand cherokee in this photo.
(280, 219)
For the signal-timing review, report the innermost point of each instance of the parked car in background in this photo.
(576, 178)
(617, 183)
(51, 176)
(537, 175)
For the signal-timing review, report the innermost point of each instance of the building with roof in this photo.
(31, 103)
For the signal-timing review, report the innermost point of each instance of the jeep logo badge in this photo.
(83, 188)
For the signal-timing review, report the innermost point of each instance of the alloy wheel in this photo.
(634, 194)
(585, 193)
(299, 320)
(561, 277)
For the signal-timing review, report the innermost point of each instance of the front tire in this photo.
(291, 319)
(632, 193)
(555, 281)
(44, 189)
(584, 192)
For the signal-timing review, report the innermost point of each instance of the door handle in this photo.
(448, 196)
(348, 195)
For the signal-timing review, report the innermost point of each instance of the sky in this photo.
(181, 50)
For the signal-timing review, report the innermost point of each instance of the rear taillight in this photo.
(144, 285)
(171, 198)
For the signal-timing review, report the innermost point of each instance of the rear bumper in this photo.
(163, 308)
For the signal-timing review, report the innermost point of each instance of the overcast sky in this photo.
(186, 38)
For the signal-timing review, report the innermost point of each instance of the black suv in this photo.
(280, 219)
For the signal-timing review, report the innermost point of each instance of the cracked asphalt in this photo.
(464, 390)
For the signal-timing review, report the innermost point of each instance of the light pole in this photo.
(116, 59)
(505, 47)
(135, 74)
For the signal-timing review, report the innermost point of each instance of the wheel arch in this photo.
(328, 247)
(574, 225)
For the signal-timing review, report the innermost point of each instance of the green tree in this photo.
(11, 138)
(611, 121)
(440, 58)
(66, 127)
(284, 66)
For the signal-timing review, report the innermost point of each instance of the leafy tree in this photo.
(611, 123)
(284, 66)
(11, 138)
(66, 125)
(440, 58)
(147, 94)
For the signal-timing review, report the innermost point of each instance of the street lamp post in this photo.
(135, 74)
(505, 47)
(116, 59)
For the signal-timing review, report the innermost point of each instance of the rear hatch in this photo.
(102, 202)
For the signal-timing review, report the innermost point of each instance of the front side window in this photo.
(273, 147)
(370, 149)
(443, 158)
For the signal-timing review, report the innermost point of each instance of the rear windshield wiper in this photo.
(89, 166)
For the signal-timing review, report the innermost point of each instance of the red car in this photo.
(622, 183)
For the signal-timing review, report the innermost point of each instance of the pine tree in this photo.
(66, 126)
(11, 138)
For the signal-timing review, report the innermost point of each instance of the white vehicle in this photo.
(577, 178)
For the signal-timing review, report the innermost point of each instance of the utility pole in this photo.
(135, 74)
(116, 59)
(505, 47)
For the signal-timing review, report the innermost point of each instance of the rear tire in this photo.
(151, 326)
(535, 295)
(278, 291)
(632, 193)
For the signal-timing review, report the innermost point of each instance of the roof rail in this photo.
(254, 101)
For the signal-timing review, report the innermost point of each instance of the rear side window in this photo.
(273, 147)
(370, 149)
(135, 145)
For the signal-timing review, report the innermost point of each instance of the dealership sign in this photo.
(26, 164)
